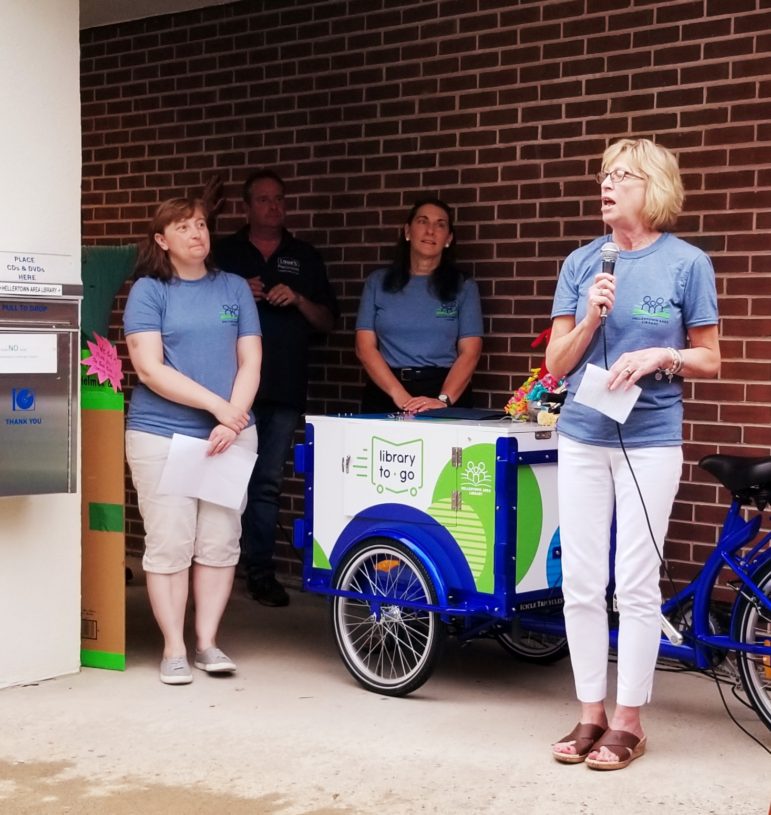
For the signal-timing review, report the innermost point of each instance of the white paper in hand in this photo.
(593, 392)
(220, 479)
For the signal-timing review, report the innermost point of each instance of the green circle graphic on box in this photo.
(529, 519)
(472, 523)
(467, 529)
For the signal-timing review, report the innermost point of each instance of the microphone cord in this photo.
(680, 613)
(637, 485)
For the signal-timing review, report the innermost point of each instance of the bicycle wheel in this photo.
(388, 646)
(681, 618)
(753, 625)
(531, 646)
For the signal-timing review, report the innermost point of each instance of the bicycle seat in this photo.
(748, 478)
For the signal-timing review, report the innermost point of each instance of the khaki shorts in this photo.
(180, 530)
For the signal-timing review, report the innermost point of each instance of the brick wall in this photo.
(504, 110)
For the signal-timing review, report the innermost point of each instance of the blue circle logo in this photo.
(25, 399)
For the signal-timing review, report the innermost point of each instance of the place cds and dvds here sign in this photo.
(35, 272)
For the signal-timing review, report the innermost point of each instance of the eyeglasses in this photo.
(616, 176)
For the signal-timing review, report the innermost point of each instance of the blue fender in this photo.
(428, 540)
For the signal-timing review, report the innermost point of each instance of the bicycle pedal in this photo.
(670, 632)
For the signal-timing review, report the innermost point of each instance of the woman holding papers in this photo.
(193, 336)
(652, 324)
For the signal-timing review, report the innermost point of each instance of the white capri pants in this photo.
(591, 481)
(180, 530)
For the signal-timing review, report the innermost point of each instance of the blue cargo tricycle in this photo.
(418, 527)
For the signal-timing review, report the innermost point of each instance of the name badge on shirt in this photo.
(229, 313)
(287, 266)
(447, 310)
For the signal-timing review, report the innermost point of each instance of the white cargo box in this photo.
(485, 493)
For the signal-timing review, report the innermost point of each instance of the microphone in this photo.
(609, 256)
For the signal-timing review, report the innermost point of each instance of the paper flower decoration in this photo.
(104, 362)
(532, 395)
(533, 392)
(516, 407)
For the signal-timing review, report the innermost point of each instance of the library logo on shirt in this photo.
(447, 310)
(229, 314)
(652, 310)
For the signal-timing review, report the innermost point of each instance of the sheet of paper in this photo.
(28, 354)
(593, 392)
(220, 479)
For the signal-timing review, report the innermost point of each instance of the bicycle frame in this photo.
(735, 534)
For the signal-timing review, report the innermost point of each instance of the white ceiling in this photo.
(94, 13)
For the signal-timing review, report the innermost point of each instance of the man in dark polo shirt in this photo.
(289, 281)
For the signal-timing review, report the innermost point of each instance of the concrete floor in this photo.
(292, 733)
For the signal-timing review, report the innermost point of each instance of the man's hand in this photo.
(281, 295)
(257, 287)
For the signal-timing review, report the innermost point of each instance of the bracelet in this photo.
(674, 367)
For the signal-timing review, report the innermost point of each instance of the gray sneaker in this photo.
(214, 661)
(176, 671)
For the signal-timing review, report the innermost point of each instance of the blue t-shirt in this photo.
(661, 291)
(413, 327)
(200, 322)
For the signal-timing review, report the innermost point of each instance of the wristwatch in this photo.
(443, 397)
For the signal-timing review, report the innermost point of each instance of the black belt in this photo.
(419, 374)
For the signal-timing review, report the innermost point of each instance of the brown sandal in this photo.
(583, 737)
(625, 745)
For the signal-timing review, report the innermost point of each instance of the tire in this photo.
(681, 618)
(531, 646)
(750, 625)
(387, 646)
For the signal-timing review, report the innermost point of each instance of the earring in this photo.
(447, 246)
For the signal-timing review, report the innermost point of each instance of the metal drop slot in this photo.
(39, 371)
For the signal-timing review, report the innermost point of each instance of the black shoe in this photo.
(267, 590)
